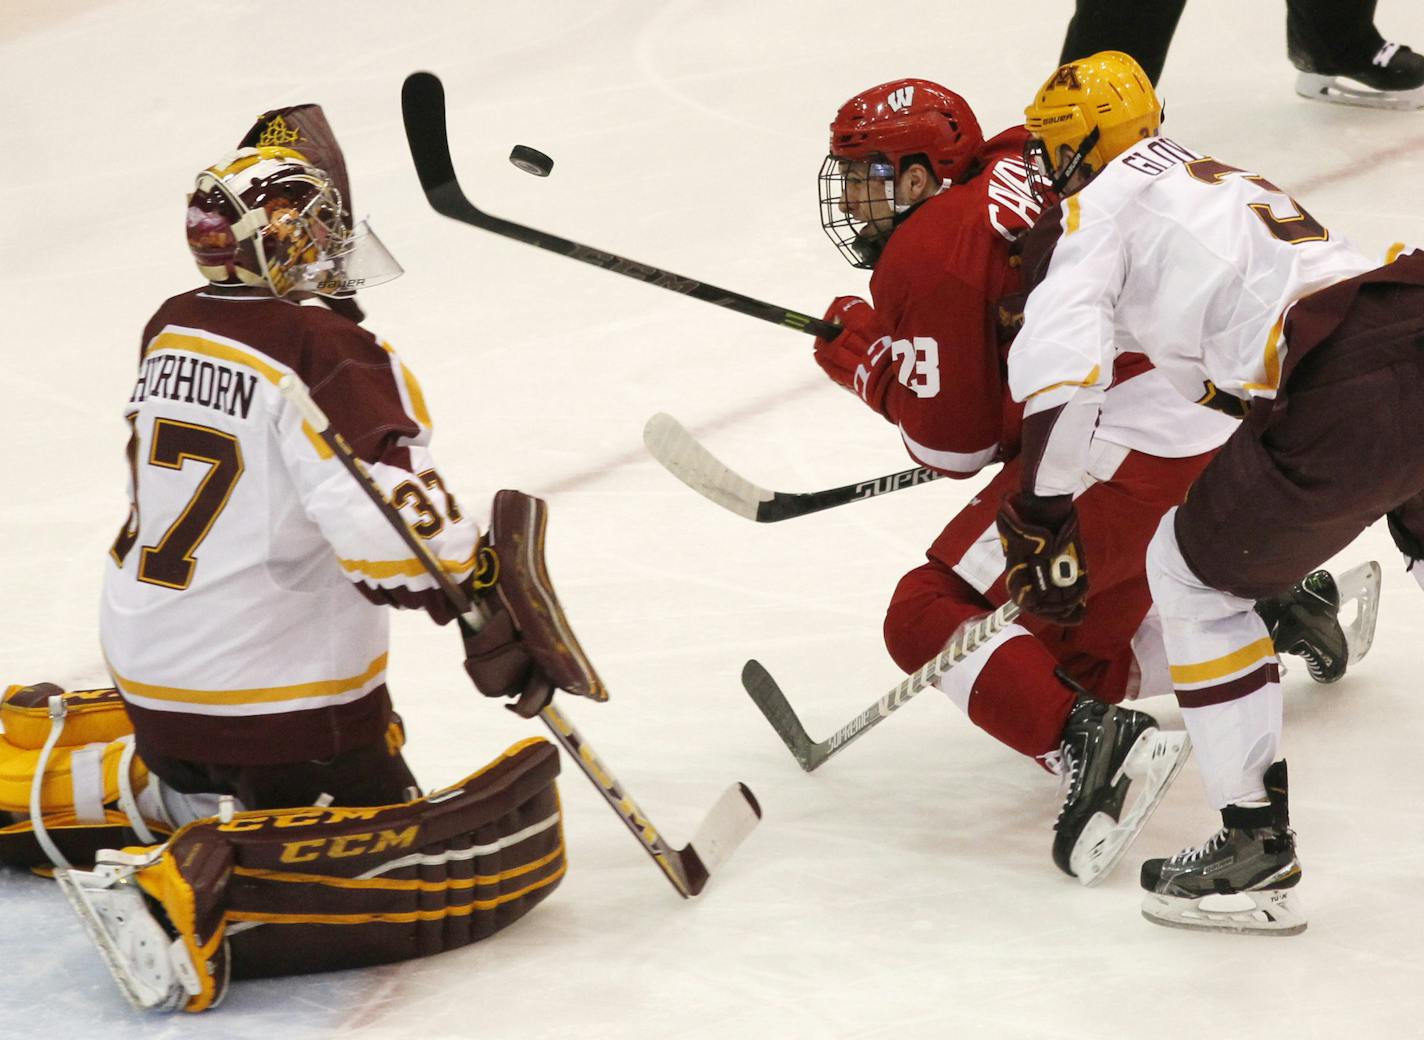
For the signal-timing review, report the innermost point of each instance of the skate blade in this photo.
(1345, 91)
(1361, 586)
(140, 964)
(1151, 765)
(1272, 911)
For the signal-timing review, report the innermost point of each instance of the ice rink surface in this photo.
(903, 891)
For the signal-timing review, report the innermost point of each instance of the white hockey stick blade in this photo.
(725, 827)
(668, 441)
(1360, 585)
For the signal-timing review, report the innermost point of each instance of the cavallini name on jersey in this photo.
(177, 377)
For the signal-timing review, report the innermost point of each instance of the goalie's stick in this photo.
(682, 455)
(724, 827)
(811, 753)
(423, 105)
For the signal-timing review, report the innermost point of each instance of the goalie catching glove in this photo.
(1045, 569)
(860, 358)
(525, 648)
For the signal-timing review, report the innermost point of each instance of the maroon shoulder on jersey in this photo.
(348, 372)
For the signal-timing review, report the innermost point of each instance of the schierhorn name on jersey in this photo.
(195, 381)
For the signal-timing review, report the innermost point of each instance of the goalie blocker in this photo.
(295, 891)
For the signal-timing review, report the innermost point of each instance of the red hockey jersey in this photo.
(938, 287)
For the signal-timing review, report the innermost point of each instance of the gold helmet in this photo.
(1096, 108)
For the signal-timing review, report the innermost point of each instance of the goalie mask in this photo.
(266, 217)
(1088, 113)
(875, 137)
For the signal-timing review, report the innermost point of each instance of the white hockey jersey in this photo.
(1182, 258)
(232, 619)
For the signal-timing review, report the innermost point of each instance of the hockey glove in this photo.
(1046, 571)
(525, 648)
(859, 359)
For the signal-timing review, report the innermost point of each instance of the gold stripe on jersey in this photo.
(227, 352)
(1272, 360)
(1221, 667)
(1074, 210)
(412, 387)
(410, 568)
(259, 695)
(1092, 378)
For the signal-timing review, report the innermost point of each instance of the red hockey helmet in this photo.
(874, 138)
(904, 118)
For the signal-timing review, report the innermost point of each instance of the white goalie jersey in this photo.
(1179, 257)
(233, 618)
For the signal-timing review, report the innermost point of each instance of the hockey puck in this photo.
(531, 160)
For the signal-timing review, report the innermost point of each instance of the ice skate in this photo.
(1240, 880)
(1306, 620)
(1392, 78)
(153, 969)
(1108, 752)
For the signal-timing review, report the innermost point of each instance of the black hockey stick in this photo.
(726, 824)
(423, 104)
(682, 455)
(767, 695)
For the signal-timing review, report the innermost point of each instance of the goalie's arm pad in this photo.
(377, 406)
(295, 891)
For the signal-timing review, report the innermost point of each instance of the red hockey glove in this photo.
(859, 358)
(1046, 571)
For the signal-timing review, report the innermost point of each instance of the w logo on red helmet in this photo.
(901, 97)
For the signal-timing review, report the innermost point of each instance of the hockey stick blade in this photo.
(767, 696)
(684, 456)
(423, 108)
(809, 753)
(726, 825)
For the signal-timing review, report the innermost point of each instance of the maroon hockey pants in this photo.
(1296, 485)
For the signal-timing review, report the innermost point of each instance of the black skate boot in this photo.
(1309, 619)
(1106, 751)
(1304, 621)
(1377, 74)
(1240, 880)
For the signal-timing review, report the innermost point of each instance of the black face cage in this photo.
(857, 241)
(1042, 180)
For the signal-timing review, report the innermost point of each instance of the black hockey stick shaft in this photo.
(423, 105)
(688, 459)
(786, 505)
(685, 872)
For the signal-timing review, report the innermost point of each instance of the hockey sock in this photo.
(1015, 696)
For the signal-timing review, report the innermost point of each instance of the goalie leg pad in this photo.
(295, 891)
(88, 795)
